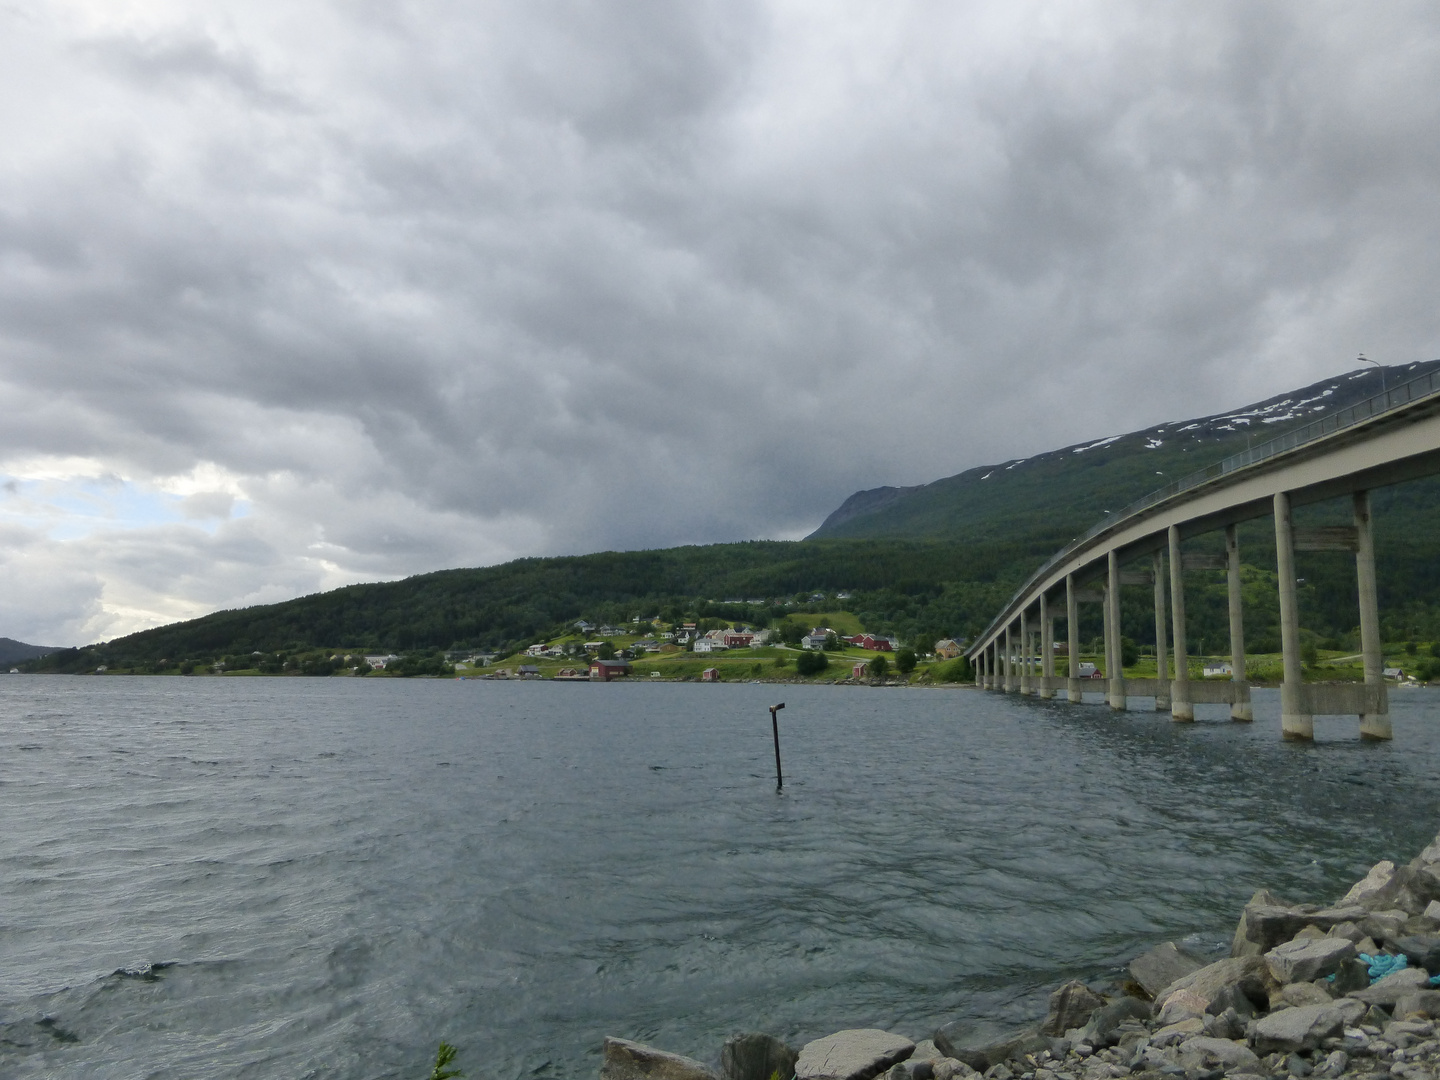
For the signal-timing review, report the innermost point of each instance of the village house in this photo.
(708, 645)
(815, 639)
(947, 648)
(377, 663)
(736, 639)
(1215, 669)
(529, 671)
(859, 670)
(605, 670)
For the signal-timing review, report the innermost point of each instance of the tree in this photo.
(790, 633)
(606, 651)
(832, 642)
(1129, 654)
(878, 667)
(811, 662)
(905, 661)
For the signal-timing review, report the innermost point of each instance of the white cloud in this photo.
(305, 293)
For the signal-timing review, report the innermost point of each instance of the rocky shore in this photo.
(1328, 992)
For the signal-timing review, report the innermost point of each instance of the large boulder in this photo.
(1070, 1007)
(1306, 961)
(1373, 885)
(981, 1045)
(1161, 966)
(1106, 1021)
(1268, 925)
(756, 1056)
(626, 1060)
(1241, 945)
(1392, 988)
(1421, 949)
(1420, 1003)
(1203, 1052)
(854, 1054)
(1248, 974)
(1301, 1030)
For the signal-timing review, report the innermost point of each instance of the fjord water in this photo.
(287, 877)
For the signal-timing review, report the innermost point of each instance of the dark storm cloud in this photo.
(423, 284)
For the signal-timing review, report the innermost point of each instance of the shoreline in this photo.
(1341, 991)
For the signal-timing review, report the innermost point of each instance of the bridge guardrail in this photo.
(1422, 386)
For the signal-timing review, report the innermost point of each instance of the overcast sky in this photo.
(295, 294)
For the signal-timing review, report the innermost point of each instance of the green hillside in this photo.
(918, 563)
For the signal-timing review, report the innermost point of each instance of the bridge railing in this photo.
(1397, 397)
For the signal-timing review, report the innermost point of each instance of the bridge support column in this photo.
(1294, 723)
(1024, 652)
(1162, 663)
(1240, 711)
(992, 681)
(1114, 668)
(1072, 636)
(1047, 648)
(1009, 658)
(1372, 725)
(1182, 711)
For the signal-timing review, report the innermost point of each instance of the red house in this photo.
(710, 674)
(605, 670)
(876, 644)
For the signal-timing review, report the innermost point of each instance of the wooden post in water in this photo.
(775, 728)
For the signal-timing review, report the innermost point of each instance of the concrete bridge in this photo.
(1384, 440)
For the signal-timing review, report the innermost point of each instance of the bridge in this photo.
(1383, 440)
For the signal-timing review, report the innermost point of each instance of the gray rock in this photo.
(1178, 1032)
(1248, 973)
(1305, 993)
(1348, 930)
(1432, 911)
(1306, 961)
(1268, 925)
(854, 1054)
(1161, 966)
(1373, 885)
(1384, 925)
(626, 1060)
(982, 1046)
(1301, 1029)
(1241, 945)
(1226, 1025)
(1335, 1064)
(948, 1068)
(1101, 1030)
(1424, 1003)
(1296, 1065)
(926, 1050)
(756, 1056)
(1422, 950)
(1181, 1005)
(1203, 1051)
(1070, 1007)
(1234, 999)
(1351, 975)
(1392, 988)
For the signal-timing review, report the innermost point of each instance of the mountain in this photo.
(921, 563)
(12, 651)
(1056, 495)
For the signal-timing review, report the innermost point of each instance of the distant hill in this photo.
(1057, 494)
(12, 651)
(919, 562)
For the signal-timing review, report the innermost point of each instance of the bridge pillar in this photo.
(1294, 723)
(1025, 652)
(1162, 663)
(1240, 711)
(1114, 668)
(992, 680)
(1182, 711)
(1009, 657)
(1047, 648)
(1372, 725)
(1072, 635)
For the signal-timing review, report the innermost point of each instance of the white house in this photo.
(1215, 669)
(378, 662)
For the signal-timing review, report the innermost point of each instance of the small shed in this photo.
(710, 674)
